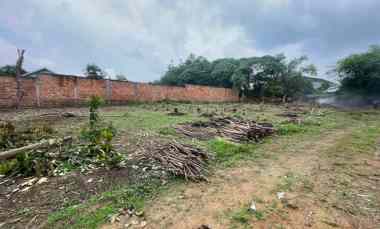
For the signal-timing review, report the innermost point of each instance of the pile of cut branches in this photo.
(182, 160)
(234, 129)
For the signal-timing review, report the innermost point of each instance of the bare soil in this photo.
(313, 198)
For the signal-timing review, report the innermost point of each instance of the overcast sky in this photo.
(141, 37)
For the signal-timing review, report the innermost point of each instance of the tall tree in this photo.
(121, 77)
(93, 71)
(253, 76)
(10, 70)
(360, 73)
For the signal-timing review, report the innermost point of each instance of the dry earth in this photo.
(305, 171)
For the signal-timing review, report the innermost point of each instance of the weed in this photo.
(227, 153)
(291, 128)
(167, 131)
(288, 182)
(244, 215)
(99, 137)
(98, 209)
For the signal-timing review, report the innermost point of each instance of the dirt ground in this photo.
(327, 179)
(232, 189)
(322, 186)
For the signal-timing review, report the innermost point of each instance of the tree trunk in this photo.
(20, 59)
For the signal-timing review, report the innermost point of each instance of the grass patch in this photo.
(227, 153)
(362, 140)
(244, 215)
(99, 208)
(146, 120)
(291, 128)
(288, 182)
(167, 131)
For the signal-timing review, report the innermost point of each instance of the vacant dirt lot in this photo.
(320, 170)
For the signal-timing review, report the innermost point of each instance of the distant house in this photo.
(35, 74)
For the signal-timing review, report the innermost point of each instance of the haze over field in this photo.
(140, 38)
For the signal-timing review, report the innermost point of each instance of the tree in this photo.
(253, 76)
(94, 72)
(10, 70)
(360, 73)
(121, 77)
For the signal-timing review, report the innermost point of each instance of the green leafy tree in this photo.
(360, 73)
(93, 71)
(254, 76)
(10, 70)
(121, 77)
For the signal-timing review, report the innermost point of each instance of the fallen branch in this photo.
(231, 128)
(44, 143)
(182, 160)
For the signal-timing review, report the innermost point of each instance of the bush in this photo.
(98, 136)
(290, 128)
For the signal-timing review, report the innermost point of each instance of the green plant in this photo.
(228, 153)
(291, 128)
(99, 136)
(7, 134)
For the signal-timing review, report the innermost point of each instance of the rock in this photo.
(90, 180)
(42, 180)
(127, 225)
(253, 206)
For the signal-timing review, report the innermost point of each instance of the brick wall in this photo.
(62, 90)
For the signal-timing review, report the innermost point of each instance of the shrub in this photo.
(99, 135)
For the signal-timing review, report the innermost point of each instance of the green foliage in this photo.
(228, 153)
(7, 135)
(93, 71)
(10, 70)
(291, 128)
(242, 216)
(245, 215)
(254, 76)
(360, 73)
(121, 77)
(88, 216)
(11, 138)
(7, 167)
(98, 136)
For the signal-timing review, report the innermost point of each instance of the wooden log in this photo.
(10, 154)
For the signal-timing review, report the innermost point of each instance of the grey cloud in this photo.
(140, 38)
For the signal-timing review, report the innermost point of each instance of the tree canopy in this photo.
(93, 71)
(121, 77)
(10, 70)
(360, 73)
(256, 76)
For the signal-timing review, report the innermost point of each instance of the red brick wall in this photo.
(8, 92)
(54, 90)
